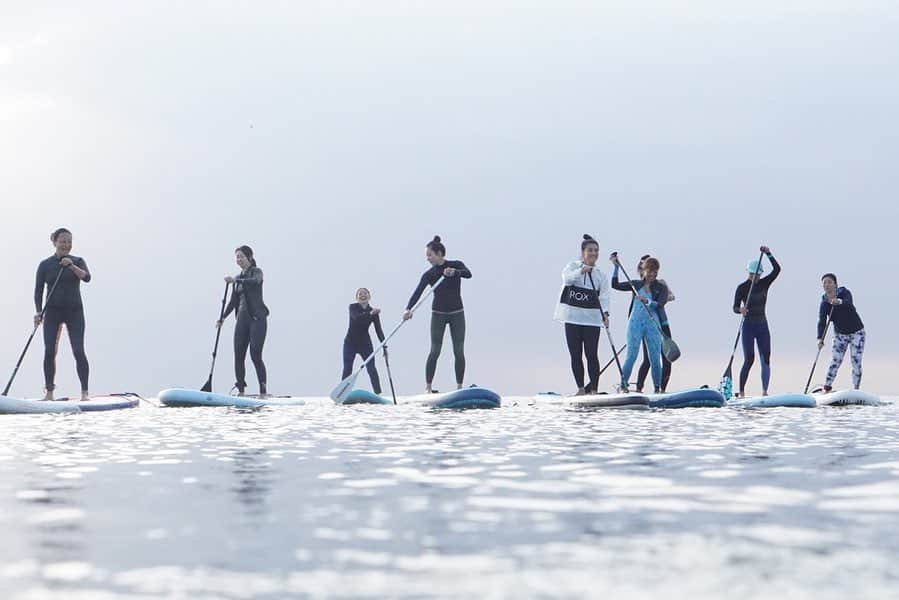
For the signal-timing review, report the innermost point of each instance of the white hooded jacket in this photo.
(577, 302)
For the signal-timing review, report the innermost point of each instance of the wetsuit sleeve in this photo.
(774, 272)
(845, 298)
(663, 298)
(39, 288)
(464, 272)
(378, 330)
(232, 303)
(738, 298)
(822, 318)
(253, 277)
(81, 264)
(623, 287)
(425, 280)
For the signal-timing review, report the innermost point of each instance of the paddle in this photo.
(339, 393)
(818, 354)
(389, 376)
(207, 387)
(33, 331)
(613, 359)
(726, 385)
(669, 348)
(608, 332)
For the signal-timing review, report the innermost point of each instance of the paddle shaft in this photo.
(613, 359)
(33, 331)
(389, 376)
(218, 335)
(818, 354)
(608, 332)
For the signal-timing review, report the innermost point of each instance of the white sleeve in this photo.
(571, 274)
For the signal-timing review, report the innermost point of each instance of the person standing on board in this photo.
(446, 308)
(755, 323)
(653, 295)
(64, 307)
(643, 371)
(849, 331)
(583, 308)
(252, 319)
(357, 340)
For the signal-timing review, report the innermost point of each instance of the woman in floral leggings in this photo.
(849, 331)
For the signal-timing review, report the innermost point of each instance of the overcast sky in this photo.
(336, 138)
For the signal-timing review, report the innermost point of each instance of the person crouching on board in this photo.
(252, 319)
(446, 308)
(583, 308)
(358, 341)
(643, 371)
(63, 307)
(652, 294)
(849, 331)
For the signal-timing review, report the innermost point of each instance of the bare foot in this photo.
(459, 386)
(85, 395)
(765, 393)
(580, 392)
(48, 395)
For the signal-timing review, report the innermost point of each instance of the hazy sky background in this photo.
(336, 138)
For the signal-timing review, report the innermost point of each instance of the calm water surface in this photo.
(323, 501)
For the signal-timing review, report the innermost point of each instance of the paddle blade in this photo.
(670, 349)
(726, 386)
(207, 387)
(343, 389)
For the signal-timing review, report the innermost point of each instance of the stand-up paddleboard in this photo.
(470, 397)
(365, 397)
(776, 401)
(847, 398)
(697, 398)
(14, 406)
(183, 397)
(104, 402)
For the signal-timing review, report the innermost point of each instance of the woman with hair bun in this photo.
(252, 319)
(446, 308)
(63, 307)
(583, 308)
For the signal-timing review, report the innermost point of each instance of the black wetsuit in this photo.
(64, 307)
(357, 341)
(446, 309)
(251, 327)
(755, 326)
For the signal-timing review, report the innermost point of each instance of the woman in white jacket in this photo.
(583, 307)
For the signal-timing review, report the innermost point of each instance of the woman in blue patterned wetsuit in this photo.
(652, 294)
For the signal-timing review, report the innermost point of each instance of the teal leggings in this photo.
(646, 330)
(456, 322)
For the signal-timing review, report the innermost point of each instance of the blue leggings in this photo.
(645, 330)
(756, 333)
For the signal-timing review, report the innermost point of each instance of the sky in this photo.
(337, 137)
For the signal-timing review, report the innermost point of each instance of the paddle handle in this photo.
(33, 331)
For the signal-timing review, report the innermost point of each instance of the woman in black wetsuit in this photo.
(64, 307)
(252, 319)
(446, 308)
(755, 323)
(357, 340)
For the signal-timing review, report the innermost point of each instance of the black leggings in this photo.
(456, 322)
(583, 339)
(644, 366)
(249, 333)
(364, 349)
(73, 319)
